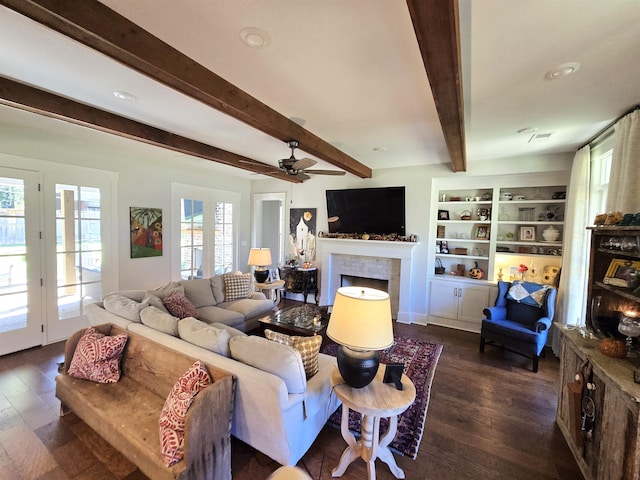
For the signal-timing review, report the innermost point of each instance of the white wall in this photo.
(417, 182)
(145, 174)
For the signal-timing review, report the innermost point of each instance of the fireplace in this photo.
(378, 260)
(355, 281)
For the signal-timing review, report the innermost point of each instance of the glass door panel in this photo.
(20, 292)
(78, 256)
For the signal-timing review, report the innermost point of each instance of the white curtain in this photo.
(573, 278)
(625, 166)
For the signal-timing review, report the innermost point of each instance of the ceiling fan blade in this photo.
(302, 176)
(304, 163)
(325, 172)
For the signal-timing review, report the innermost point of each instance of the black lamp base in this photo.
(357, 368)
(261, 275)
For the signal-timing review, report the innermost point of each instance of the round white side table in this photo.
(374, 401)
(271, 287)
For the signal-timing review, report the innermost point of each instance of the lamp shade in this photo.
(259, 257)
(361, 319)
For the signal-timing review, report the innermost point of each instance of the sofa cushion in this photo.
(179, 305)
(166, 289)
(220, 315)
(123, 307)
(248, 307)
(174, 412)
(204, 335)
(217, 288)
(237, 287)
(199, 292)
(158, 320)
(97, 357)
(309, 348)
(154, 301)
(230, 330)
(276, 358)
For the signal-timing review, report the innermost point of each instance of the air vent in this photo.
(539, 137)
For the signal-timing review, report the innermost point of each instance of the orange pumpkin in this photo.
(476, 272)
(613, 348)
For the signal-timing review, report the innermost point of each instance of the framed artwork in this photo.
(274, 275)
(482, 232)
(528, 234)
(441, 231)
(146, 232)
(443, 214)
(302, 233)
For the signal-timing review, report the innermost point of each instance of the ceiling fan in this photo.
(298, 168)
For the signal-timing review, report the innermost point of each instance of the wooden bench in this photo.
(126, 413)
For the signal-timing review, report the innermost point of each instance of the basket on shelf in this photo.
(439, 267)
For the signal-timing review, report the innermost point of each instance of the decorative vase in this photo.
(550, 234)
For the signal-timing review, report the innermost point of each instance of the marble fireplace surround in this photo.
(390, 261)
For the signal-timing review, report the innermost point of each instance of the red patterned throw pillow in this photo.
(179, 305)
(97, 357)
(174, 413)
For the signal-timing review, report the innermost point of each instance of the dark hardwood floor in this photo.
(489, 417)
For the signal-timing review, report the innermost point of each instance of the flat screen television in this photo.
(379, 211)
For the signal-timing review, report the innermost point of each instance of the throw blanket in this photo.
(528, 293)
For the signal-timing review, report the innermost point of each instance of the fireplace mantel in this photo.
(328, 247)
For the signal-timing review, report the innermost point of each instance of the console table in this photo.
(300, 280)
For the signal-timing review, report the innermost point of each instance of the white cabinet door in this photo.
(473, 300)
(458, 304)
(443, 301)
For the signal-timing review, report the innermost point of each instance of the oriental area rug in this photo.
(420, 359)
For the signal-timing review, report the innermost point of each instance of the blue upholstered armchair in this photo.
(521, 319)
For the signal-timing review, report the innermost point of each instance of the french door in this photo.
(52, 252)
(21, 319)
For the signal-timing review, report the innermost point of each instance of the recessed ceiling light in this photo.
(254, 37)
(562, 71)
(380, 149)
(527, 130)
(125, 96)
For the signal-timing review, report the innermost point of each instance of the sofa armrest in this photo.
(543, 324)
(208, 432)
(258, 296)
(495, 313)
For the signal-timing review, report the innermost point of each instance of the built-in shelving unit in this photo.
(496, 224)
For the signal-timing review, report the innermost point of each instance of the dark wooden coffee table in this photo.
(306, 320)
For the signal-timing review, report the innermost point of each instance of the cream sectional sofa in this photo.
(278, 411)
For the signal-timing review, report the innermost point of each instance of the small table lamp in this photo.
(261, 259)
(361, 323)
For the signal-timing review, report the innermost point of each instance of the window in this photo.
(601, 155)
(78, 248)
(207, 231)
(191, 238)
(224, 245)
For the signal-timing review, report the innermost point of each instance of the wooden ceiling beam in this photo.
(97, 26)
(24, 97)
(436, 24)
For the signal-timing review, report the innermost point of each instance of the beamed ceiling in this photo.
(360, 84)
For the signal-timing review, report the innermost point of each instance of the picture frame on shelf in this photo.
(274, 275)
(482, 232)
(622, 273)
(443, 214)
(528, 234)
(440, 231)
